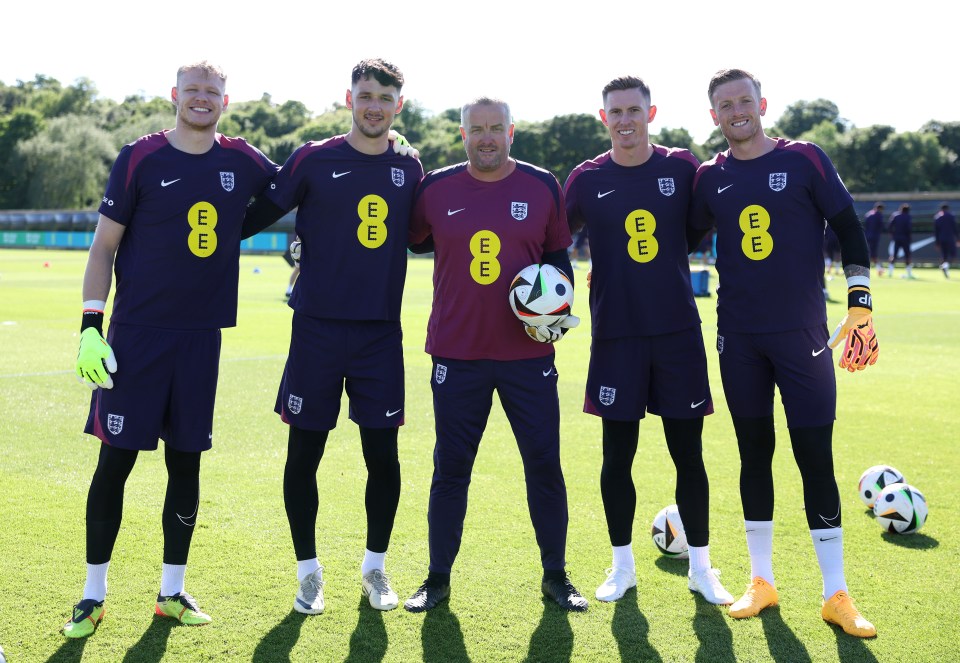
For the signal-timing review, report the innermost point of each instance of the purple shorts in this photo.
(665, 375)
(798, 362)
(327, 355)
(164, 388)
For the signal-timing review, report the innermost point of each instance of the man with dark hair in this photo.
(647, 352)
(945, 233)
(489, 218)
(901, 232)
(768, 199)
(353, 195)
(170, 227)
(873, 223)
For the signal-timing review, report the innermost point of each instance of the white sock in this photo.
(96, 585)
(623, 558)
(828, 544)
(171, 579)
(699, 558)
(760, 546)
(307, 566)
(371, 561)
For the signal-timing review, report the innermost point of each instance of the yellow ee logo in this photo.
(640, 226)
(372, 231)
(484, 247)
(757, 243)
(202, 240)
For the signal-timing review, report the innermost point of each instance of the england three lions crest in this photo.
(518, 211)
(608, 395)
(778, 181)
(294, 404)
(227, 180)
(115, 423)
(667, 187)
(396, 174)
(440, 374)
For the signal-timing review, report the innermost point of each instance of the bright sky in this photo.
(879, 67)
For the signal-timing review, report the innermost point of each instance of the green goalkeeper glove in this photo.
(861, 348)
(95, 360)
(401, 146)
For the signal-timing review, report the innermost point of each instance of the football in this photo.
(900, 509)
(668, 535)
(875, 479)
(541, 295)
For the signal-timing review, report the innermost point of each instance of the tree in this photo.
(680, 138)
(67, 163)
(911, 162)
(803, 116)
(859, 157)
(715, 144)
(948, 135)
(19, 126)
(560, 143)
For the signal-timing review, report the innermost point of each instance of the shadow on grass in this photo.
(368, 642)
(442, 638)
(677, 567)
(713, 632)
(278, 643)
(630, 629)
(851, 648)
(916, 541)
(784, 646)
(71, 651)
(552, 641)
(152, 645)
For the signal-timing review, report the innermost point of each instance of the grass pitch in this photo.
(903, 412)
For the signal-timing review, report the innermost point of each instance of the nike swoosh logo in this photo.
(816, 353)
(601, 195)
(166, 183)
(829, 538)
(451, 212)
(547, 373)
(722, 189)
(694, 406)
(336, 174)
(390, 414)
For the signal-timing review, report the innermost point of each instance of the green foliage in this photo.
(680, 138)
(803, 116)
(20, 125)
(561, 143)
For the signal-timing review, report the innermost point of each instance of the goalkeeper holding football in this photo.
(768, 198)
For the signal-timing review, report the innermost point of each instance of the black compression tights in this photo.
(105, 502)
(304, 451)
(813, 451)
(616, 480)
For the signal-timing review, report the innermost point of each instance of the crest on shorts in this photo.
(227, 180)
(114, 423)
(667, 187)
(396, 174)
(719, 344)
(518, 211)
(440, 373)
(778, 181)
(294, 403)
(608, 395)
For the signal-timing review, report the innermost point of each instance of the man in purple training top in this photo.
(945, 234)
(354, 195)
(489, 218)
(901, 231)
(768, 199)
(170, 226)
(647, 352)
(873, 223)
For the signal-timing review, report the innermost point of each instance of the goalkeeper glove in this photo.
(295, 251)
(95, 360)
(552, 333)
(401, 146)
(861, 348)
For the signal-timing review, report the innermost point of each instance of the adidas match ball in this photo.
(541, 295)
(900, 509)
(668, 534)
(875, 479)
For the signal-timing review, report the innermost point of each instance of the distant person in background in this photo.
(873, 228)
(901, 229)
(580, 249)
(294, 264)
(831, 251)
(945, 234)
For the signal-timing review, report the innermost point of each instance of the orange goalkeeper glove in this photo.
(861, 348)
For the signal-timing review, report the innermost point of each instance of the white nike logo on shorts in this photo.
(601, 195)
(547, 373)
(694, 406)
(336, 174)
(722, 189)
(451, 212)
(165, 183)
(390, 414)
(816, 353)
